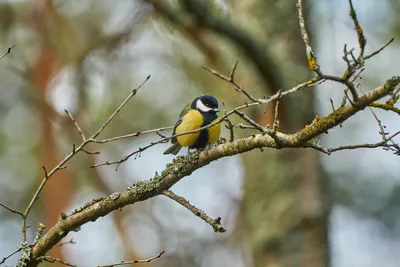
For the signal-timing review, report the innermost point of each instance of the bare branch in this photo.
(243, 126)
(230, 124)
(75, 150)
(345, 96)
(350, 86)
(379, 144)
(7, 52)
(12, 210)
(275, 125)
(379, 50)
(314, 145)
(382, 128)
(252, 122)
(135, 261)
(56, 260)
(215, 223)
(10, 255)
(90, 152)
(132, 135)
(76, 125)
(231, 80)
(133, 93)
(232, 74)
(312, 59)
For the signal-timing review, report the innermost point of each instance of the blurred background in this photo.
(280, 208)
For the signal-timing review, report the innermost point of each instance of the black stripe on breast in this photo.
(202, 140)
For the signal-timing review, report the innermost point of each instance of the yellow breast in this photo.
(192, 121)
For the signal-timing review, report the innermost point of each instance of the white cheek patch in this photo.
(200, 106)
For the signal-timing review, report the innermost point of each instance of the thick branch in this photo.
(184, 166)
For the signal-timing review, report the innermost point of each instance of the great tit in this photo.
(200, 112)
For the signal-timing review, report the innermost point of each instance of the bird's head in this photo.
(206, 104)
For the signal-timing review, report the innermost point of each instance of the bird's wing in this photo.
(184, 111)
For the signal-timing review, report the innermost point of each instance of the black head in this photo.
(206, 104)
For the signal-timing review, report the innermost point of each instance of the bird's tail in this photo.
(174, 149)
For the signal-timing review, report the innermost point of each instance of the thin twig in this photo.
(230, 124)
(345, 56)
(90, 152)
(379, 50)
(12, 210)
(312, 59)
(381, 127)
(54, 260)
(232, 74)
(76, 125)
(10, 255)
(275, 125)
(383, 142)
(8, 51)
(231, 80)
(249, 120)
(132, 135)
(134, 91)
(243, 126)
(135, 261)
(317, 147)
(346, 82)
(215, 223)
(345, 97)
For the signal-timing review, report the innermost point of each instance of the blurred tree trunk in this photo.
(285, 208)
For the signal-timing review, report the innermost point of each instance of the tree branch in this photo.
(184, 166)
(215, 223)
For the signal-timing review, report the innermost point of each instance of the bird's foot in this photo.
(191, 151)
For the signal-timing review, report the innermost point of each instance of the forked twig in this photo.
(75, 150)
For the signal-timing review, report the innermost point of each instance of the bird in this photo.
(201, 112)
